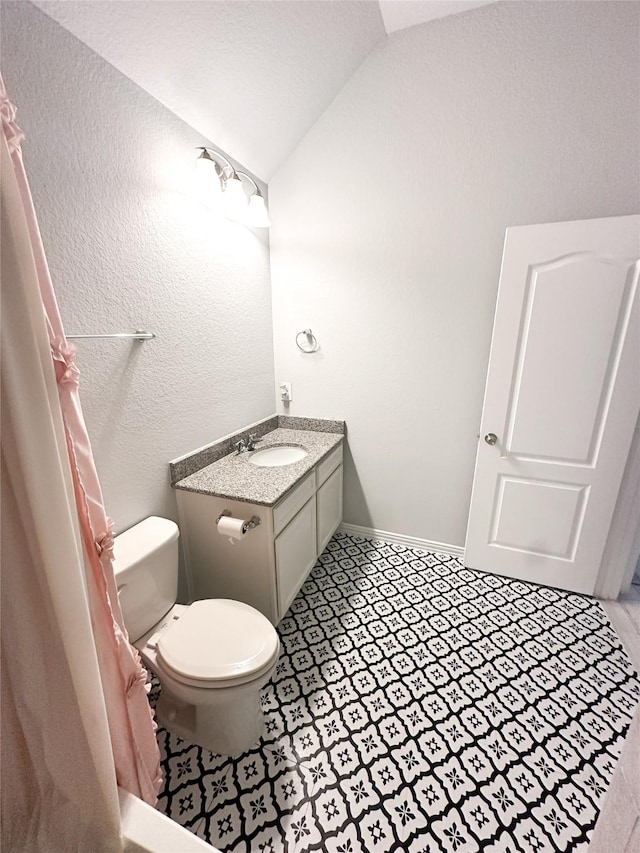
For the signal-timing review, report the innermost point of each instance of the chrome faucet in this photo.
(246, 445)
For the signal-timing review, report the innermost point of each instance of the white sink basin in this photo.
(281, 454)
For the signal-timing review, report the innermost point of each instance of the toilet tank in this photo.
(146, 569)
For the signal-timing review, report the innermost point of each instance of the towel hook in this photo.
(311, 341)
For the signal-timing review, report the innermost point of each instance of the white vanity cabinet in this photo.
(328, 501)
(295, 553)
(267, 567)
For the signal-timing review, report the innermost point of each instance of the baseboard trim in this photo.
(399, 539)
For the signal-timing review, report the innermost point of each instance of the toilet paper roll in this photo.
(232, 528)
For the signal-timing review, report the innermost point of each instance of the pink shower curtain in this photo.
(130, 720)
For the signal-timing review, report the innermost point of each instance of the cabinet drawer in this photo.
(328, 465)
(289, 506)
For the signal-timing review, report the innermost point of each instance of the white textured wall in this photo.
(127, 244)
(389, 219)
(252, 74)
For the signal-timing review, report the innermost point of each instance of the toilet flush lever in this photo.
(154, 639)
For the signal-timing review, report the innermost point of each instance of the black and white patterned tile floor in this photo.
(418, 706)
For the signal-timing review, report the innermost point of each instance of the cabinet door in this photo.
(329, 499)
(295, 554)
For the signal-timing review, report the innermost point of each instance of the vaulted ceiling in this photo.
(250, 75)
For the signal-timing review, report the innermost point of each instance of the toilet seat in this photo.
(218, 643)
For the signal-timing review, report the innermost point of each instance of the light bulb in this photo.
(257, 215)
(207, 181)
(234, 198)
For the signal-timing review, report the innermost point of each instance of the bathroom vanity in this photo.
(299, 507)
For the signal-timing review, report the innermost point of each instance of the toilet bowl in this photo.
(211, 657)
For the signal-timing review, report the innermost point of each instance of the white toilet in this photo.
(212, 657)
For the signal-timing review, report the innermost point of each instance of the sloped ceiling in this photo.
(250, 75)
(400, 14)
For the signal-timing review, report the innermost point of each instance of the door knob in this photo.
(491, 438)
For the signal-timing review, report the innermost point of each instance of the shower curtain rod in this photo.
(138, 335)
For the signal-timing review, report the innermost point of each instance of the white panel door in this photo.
(561, 401)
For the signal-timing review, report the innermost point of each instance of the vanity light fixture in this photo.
(256, 214)
(208, 180)
(220, 186)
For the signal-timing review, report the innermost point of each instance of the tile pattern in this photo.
(419, 706)
(618, 826)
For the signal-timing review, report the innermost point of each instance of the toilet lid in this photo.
(218, 639)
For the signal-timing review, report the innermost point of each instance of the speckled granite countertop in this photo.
(235, 478)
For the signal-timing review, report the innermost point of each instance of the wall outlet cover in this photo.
(285, 392)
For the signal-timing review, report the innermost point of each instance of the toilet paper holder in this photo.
(254, 521)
